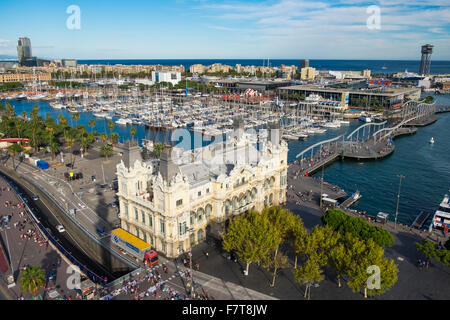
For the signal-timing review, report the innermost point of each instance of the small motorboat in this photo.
(432, 140)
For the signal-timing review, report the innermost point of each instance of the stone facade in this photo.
(175, 202)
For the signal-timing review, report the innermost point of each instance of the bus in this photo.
(134, 246)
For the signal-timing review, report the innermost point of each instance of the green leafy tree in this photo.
(308, 274)
(283, 222)
(429, 249)
(367, 258)
(340, 257)
(252, 237)
(32, 279)
(343, 223)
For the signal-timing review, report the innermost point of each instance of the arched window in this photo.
(200, 214)
(234, 204)
(241, 200)
(208, 211)
(271, 198)
(200, 235)
(227, 206)
(254, 192)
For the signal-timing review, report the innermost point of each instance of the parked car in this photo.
(34, 197)
(101, 231)
(60, 228)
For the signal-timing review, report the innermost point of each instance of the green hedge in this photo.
(343, 223)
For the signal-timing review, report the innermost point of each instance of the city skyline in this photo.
(178, 29)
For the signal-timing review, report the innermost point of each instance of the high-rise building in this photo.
(425, 63)
(24, 49)
(307, 73)
(304, 64)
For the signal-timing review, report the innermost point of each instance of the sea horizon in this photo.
(376, 66)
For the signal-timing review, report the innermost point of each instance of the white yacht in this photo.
(432, 140)
(442, 214)
(100, 115)
(57, 106)
(332, 124)
(365, 119)
(123, 121)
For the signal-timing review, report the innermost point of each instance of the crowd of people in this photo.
(158, 288)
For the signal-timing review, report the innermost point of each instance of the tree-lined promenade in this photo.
(267, 238)
(54, 135)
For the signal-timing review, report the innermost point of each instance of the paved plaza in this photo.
(223, 278)
(25, 246)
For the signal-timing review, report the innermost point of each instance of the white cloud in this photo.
(335, 29)
(5, 43)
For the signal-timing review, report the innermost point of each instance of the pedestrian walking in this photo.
(206, 254)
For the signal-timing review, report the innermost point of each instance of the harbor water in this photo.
(426, 166)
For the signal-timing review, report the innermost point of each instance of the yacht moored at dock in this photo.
(441, 218)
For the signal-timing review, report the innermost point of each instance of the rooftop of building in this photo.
(391, 91)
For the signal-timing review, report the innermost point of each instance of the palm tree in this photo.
(91, 123)
(24, 115)
(104, 137)
(54, 147)
(110, 127)
(106, 150)
(76, 117)
(34, 111)
(132, 132)
(114, 138)
(31, 279)
(62, 120)
(35, 125)
(10, 109)
(15, 148)
(158, 148)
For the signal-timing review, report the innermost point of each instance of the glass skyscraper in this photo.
(24, 49)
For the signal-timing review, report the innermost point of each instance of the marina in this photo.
(208, 122)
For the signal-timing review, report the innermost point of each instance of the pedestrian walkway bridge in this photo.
(369, 141)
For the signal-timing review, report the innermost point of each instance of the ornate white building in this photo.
(174, 202)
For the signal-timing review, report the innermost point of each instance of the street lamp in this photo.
(321, 189)
(190, 262)
(398, 198)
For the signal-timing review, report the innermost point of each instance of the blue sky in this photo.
(172, 29)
